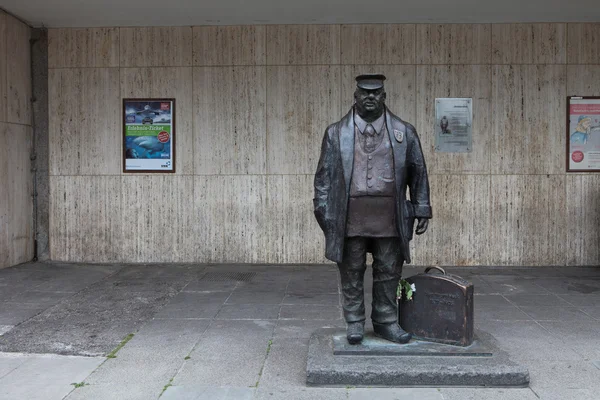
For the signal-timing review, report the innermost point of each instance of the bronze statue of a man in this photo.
(368, 160)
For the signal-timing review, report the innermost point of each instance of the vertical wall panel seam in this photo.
(266, 153)
(120, 236)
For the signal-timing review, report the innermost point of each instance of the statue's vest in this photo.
(371, 207)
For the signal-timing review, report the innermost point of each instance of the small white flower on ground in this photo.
(412, 287)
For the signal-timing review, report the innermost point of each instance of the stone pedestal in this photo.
(376, 362)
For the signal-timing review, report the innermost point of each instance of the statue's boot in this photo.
(385, 312)
(391, 332)
(355, 332)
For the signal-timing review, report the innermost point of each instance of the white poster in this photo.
(583, 132)
(452, 126)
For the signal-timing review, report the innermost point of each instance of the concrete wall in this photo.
(16, 210)
(252, 105)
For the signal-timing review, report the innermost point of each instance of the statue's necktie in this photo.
(370, 138)
(370, 131)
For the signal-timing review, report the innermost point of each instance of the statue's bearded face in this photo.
(369, 102)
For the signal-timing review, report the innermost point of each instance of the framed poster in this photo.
(453, 125)
(149, 135)
(583, 134)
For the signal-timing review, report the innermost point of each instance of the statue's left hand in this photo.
(422, 225)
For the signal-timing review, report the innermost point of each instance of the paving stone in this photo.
(262, 286)
(285, 365)
(16, 313)
(555, 313)
(503, 284)
(5, 328)
(199, 285)
(314, 286)
(584, 300)
(143, 390)
(527, 341)
(42, 298)
(500, 312)
(256, 297)
(193, 305)
(168, 334)
(315, 312)
(46, 377)
(92, 322)
(564, 375)
(121, 371)
(483, 300)
(249, 311)
(303, 329)
(301, 394)
(231, 353)
(579, 272)
(593, 312)
(583, 337)
(197, 392)
(563, 394)
(488, 394)
(10, 361)
(308, 298)
(394, 394)
(536, 300)
(569, 286)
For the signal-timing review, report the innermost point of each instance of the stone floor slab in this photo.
(45, 377)
(193, 305)
(582, 300)
(538, 300)
(500, 313)
(130, 391)
(311, 312)
(15, 313)
(244, 297)
(303, 329)
(249, 311)
(317, 299)
(5, 328)
(196, 392)
(488, 394)
(571, 314)
(394, 394)
(285, 365)
(301, 394)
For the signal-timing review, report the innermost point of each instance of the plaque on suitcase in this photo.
(441, 309)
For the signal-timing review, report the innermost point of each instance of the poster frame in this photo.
(568, 134)
(173, 135)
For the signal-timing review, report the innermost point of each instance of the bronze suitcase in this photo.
(441, 309)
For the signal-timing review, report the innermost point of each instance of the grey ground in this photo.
(241, 332)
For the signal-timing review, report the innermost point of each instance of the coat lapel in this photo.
(347, 146)
(398, 148)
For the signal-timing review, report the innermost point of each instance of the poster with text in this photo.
(583, 134)
(452, 125)
(149, 135)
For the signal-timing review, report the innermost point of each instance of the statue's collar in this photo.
(362, 124)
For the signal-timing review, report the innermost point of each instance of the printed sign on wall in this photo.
(148, 135)
(583, 134)
(452, 125)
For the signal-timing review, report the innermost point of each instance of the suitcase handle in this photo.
(434, 267)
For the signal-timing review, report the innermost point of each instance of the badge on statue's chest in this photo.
(399, 135)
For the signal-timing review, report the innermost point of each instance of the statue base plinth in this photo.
(377, 362)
